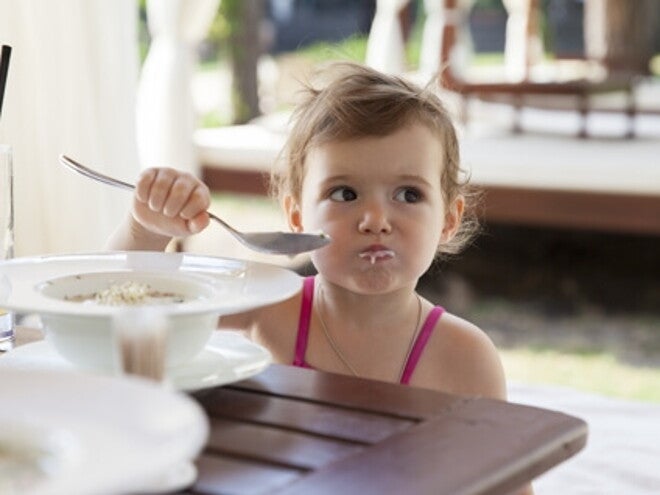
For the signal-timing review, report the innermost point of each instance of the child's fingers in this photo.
(160, 188)
(179, 194)
(156, 222)
(171, 202)
(143, 185)
(197, 202)
(198, 222)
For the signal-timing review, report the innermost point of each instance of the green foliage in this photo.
(224, 25)
(214, 119)
(352, 48)
(489, 4)
(143, 30)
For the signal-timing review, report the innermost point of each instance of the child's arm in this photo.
(167, 203)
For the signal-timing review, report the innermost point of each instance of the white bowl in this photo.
(82, 332)
(88, 341)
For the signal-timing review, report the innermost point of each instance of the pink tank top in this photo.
(306, 317)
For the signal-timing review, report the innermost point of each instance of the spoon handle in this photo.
(72, 164)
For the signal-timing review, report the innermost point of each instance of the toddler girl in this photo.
(372, 161)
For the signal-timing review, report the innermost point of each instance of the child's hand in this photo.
(170, 202)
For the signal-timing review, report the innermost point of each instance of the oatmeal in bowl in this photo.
(87, 339)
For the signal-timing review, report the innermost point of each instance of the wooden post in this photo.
(620, 33)
(447, 45)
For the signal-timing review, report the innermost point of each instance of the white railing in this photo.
(386, 45)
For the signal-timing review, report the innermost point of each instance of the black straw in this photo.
(4, 69)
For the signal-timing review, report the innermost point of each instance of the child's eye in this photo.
(408, 195)
(343, 193)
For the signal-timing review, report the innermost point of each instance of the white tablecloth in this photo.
(622, 456)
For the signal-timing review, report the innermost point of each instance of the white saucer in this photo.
(228, 357)
(74, 433)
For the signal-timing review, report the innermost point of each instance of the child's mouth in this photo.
(377, 255)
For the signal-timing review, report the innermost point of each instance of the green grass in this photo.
(655, 65)
(352, 48)
(591, 371)
(214, 119)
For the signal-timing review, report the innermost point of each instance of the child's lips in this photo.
(377, 253)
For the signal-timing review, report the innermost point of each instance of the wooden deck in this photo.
(604, 184)
(549, 179)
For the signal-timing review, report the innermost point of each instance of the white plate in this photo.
(237, 285)
(228, 357)
(94, 435)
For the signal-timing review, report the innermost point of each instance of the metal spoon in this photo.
(290, 243)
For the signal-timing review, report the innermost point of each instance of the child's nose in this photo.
(375, 219)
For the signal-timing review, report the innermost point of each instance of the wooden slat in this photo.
(236, 180)
(441, 454)
(385, 399)
(566, 103)
(577, 87)
(610, 212)
(225, 476)
(303, 416)
(293, 449)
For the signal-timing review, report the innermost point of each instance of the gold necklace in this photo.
(338, 351)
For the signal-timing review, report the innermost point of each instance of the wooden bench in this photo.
(239, 158)
(581, 88)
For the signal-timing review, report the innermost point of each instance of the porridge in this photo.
(128, 293)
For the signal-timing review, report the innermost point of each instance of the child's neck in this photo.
(359, 312)
(384, 325)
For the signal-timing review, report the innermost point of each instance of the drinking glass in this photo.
(6, 237)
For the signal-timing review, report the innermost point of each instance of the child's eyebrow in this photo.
(413, 179)
(337, 178)
(406, 178)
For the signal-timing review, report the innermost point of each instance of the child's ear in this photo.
(453, 217)
(293, 213)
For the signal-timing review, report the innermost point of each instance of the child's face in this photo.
(380, 200)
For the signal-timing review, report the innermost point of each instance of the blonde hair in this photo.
(351, 101)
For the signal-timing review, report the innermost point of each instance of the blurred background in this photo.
(557, 104)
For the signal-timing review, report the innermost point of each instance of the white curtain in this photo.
(165, 113)
(71, 89)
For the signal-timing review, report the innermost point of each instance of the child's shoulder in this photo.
(462, 336)
(462, 359)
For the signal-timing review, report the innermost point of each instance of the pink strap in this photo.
(420, 343)
(303, 322)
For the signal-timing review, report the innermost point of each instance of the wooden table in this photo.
(293, 431)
